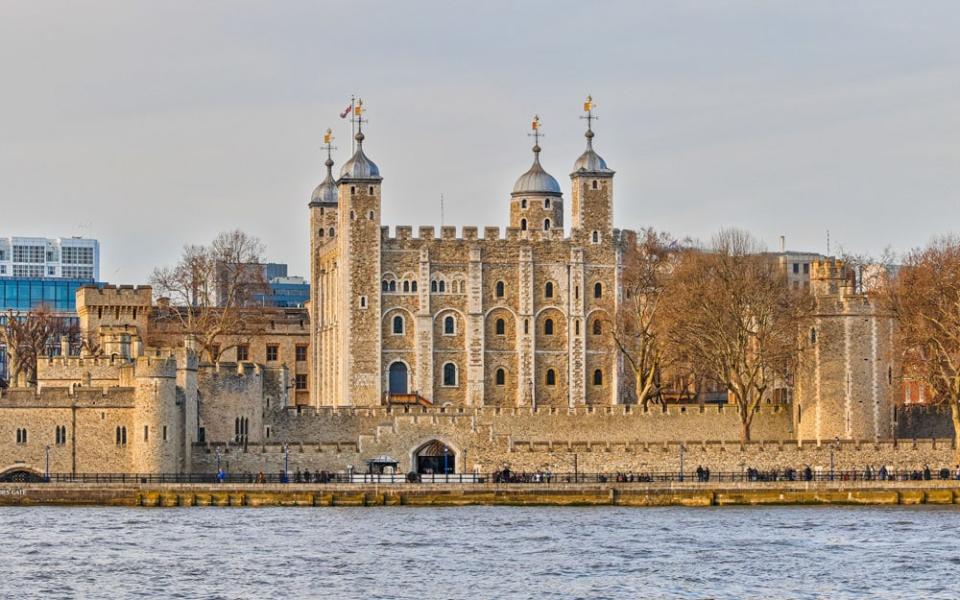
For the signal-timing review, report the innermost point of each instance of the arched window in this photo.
(450, 374)
(321, 232)
(546, 224)
(598, 377)
(523, 203)
(546, 203)
(548, 290)
(449, 325)
(551, 377)
(501, 327)
(384, 286)
(596, 237)
(433, 286)
(398, 324)
(594, 182)
(597, 327)
(500, 289)
(393, 286)
(443, 286)
(523, 224)
(406, 286)
(501, 377)
(598, 290)
(370, 215)
(353, 215)
(413, 286)
(363, 301)
(330, 232)
(548, 327)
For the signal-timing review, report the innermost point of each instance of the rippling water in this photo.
(480, 552)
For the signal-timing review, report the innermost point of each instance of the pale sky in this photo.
(152, 124)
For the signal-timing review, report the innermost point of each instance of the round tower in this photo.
(536, 203)
(157, 422)
(592, 193)
(323, 234)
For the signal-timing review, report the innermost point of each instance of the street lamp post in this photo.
(576, 468)
(218, 464)
(286, 463)
(446, 469)
(834, 446)
(46, 475)
(681, 461)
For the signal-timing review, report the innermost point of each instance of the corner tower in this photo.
(358, 242)
(592, 183)
(536, 203)
(323, 235)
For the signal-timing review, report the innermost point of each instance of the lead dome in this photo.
(536, 180)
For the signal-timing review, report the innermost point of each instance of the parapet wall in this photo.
(111, 295)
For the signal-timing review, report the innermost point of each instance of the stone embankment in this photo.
(620, 494)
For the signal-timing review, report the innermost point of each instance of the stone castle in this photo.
(480, 352)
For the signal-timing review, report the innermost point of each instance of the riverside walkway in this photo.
(504, 494)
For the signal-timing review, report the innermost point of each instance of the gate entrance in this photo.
(437, 458)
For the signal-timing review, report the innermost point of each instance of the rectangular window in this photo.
(301, 381)
(806, 268)
(273, 352)
(146, 433)
(164, 433)
(243, 352)
(796, 268)
(301, 353)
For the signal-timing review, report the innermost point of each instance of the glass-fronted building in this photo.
(61, 258)
(23, 294)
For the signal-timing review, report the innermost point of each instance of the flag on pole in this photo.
(346, 111)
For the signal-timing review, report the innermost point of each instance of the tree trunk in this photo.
(745, 432)
(955, 416)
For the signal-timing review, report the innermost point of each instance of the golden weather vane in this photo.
(588, 106)
(535, 126)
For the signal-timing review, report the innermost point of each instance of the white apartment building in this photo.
(50, 258)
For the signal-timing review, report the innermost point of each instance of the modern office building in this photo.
(44, 271)
(58, 258)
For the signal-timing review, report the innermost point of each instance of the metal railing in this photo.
(501, 477)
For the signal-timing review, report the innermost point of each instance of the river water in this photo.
(480, 552)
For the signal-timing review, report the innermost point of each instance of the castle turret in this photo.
(157, 422)
(358, 244)
(844, 388)
(592, 191)
(323, 234)
(536, 203)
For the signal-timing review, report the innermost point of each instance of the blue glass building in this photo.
(21, 294)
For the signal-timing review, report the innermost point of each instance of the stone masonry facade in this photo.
(495, 349)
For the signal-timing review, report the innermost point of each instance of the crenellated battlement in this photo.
(67, 397)
(111, 295)
(468, 233)
(163, 367)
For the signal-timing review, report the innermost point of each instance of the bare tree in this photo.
(924, 296)
(29, 336)
(732, 315)
(636, 331)
(209, 288)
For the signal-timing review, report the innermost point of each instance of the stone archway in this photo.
(20, 475)
(435, 457)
